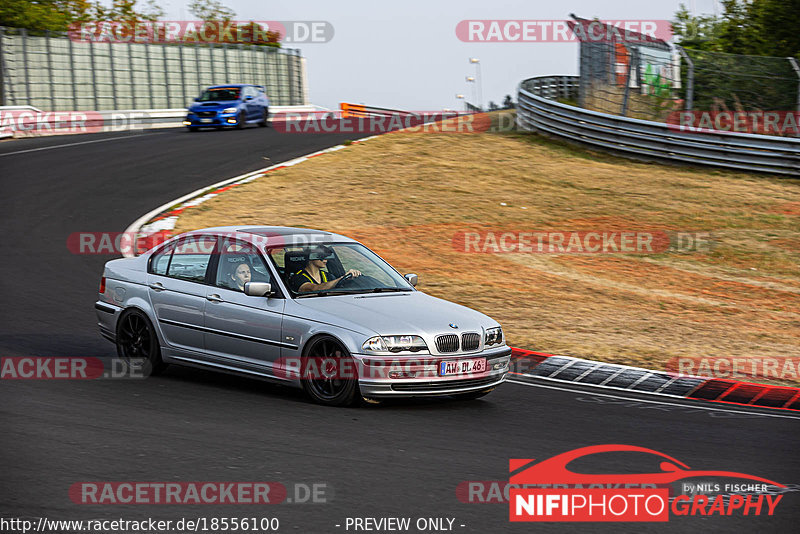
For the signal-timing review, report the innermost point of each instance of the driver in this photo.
(312, 277)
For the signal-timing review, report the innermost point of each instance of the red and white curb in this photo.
(156, 226)
(527, 363)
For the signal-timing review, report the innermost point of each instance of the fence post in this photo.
(211, 59)
(113, 73)
(183, 74)
(166, 75)
(149, 75)
(631, 58)
(72, 75)
(2, 69)
(50, 69)
(94, 76)
(24, 34)
(689, 79)
(226, 60)
(793, 61)
(131, 76)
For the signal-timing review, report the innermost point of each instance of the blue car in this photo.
(229, 105)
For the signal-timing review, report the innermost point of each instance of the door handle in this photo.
(214, 298)
(157, 286)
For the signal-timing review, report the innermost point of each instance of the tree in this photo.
(753, 27)
(57, 15)
(493, 106)
(211, 10)
(508, 102)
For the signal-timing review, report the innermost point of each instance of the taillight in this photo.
(102, 285)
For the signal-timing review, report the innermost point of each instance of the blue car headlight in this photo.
(230, 110)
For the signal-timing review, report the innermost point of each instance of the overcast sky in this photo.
(405, 54)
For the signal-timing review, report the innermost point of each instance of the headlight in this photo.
(395, 344)
(494, 336)
(229, 110)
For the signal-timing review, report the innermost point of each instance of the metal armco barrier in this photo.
(538, 111)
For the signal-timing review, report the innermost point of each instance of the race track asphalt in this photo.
(403, 459)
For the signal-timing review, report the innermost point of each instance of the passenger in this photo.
(312, 277)
(238, 276)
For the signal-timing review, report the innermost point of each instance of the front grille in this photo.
(206, 114)
(447, 343)
(444, 384)
(470, 341)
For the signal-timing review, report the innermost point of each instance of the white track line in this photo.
(74, 144)
(692, 406)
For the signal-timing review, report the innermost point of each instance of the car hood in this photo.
(409, 313)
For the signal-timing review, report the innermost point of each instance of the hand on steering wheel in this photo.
(343, 279)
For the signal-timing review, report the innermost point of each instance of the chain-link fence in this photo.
(52, 72)
(646, 78)
(742, 83)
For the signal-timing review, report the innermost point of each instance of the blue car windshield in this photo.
(220, 94)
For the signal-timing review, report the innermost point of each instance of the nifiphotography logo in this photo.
(550, 491)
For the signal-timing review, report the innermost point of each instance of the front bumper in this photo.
(209, 118)
(430, 386)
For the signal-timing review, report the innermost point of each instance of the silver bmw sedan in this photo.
(305, 307)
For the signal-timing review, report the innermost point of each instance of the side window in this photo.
(160, 261)
(191, 258)
(240, 263)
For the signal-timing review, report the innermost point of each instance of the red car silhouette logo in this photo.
(554, 470)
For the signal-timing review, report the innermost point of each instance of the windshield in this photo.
(220, 93)
(335, 269)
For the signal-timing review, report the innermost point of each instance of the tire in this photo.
(240, 120)
(329, 392)
(472, 395)
(265, 118)
(137, 343)
(192, 128)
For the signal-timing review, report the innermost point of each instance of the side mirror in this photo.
(257, 289)
(412, 278)
(197, 99)
(248, 97)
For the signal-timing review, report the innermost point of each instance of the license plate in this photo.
(205, 120)
(462, 367)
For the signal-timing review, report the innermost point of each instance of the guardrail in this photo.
(538, 111)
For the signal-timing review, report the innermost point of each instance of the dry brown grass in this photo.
(404, 195)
